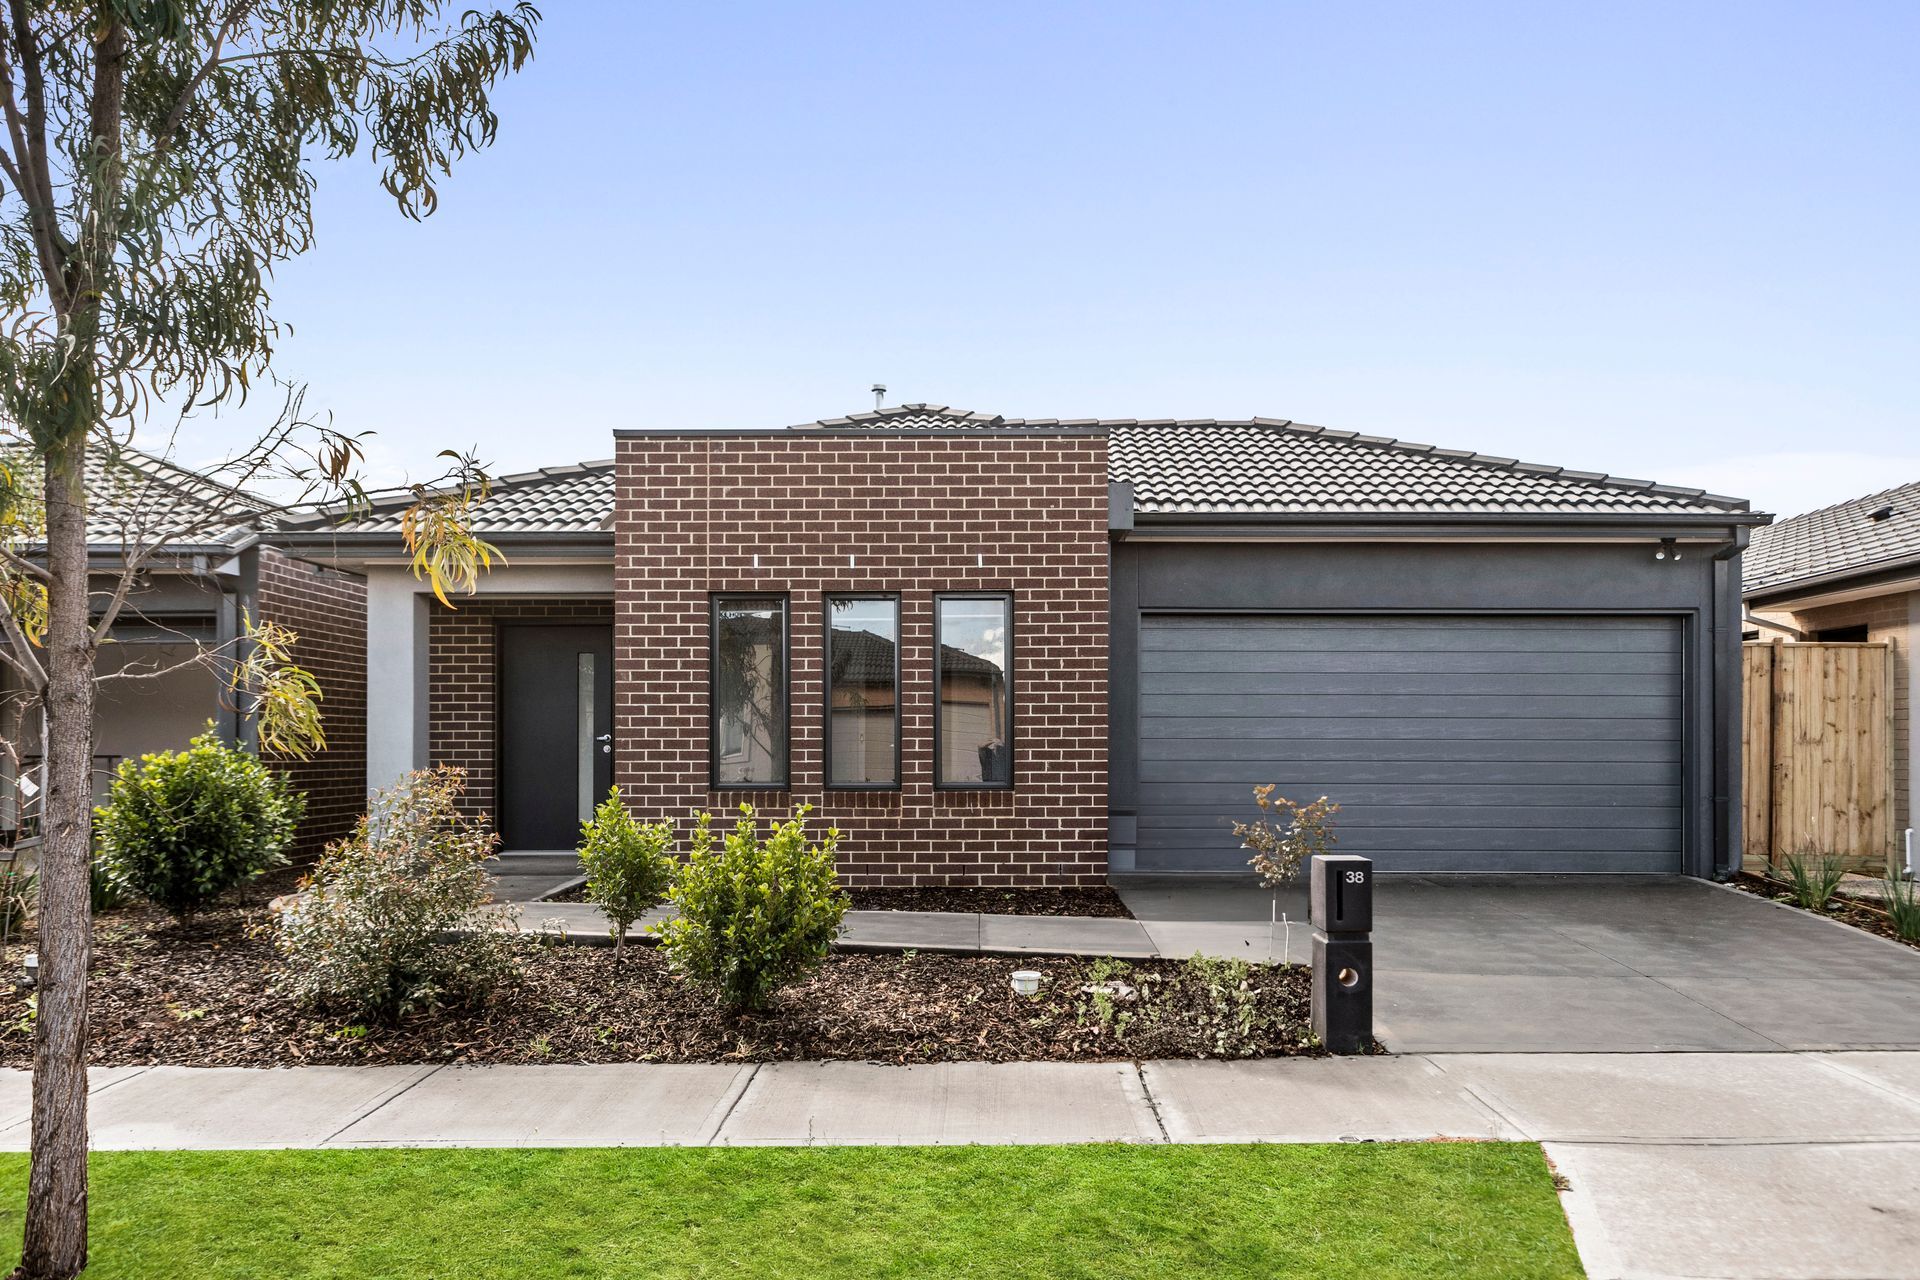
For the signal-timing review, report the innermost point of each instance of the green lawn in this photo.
(1102, 1212)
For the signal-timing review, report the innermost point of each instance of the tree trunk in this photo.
(56, 1229)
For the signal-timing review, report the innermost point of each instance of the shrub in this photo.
(1813, 878)
(754, 914)
(392, 919)
(183, 827)
(1902, 901)
(1279, 851)
(626, 862)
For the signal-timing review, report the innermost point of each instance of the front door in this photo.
(556, 731)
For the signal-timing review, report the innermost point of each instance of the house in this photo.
(1849, 572)
(205, 569)
(1006, 651)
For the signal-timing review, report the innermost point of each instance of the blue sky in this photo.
(1672, 241)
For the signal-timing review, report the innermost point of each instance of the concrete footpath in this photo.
(1782, 1165)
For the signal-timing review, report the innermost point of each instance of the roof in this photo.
(1843, 540)
(552, 501)
(1176, 467)
(138, 496)
(1274, 466)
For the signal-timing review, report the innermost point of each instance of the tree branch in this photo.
(164, 136)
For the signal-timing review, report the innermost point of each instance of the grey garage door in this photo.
(1456, 744)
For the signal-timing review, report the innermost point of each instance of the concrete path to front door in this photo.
(1785, 1165)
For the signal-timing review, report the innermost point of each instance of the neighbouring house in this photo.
(191, 597)
(1849, 572)
(1002, 651)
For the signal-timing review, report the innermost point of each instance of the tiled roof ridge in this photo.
(1832, 507)
(1598, 479)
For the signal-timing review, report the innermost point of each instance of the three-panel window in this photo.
(972, 678)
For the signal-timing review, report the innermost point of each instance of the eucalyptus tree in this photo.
(159, 158)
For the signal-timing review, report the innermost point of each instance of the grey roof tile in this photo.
(1836, 540)
(1178, 467)
(136, 496)
(572, 499)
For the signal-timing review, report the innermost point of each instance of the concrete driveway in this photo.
(1597, 964)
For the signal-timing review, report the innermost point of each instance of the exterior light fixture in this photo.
(1668, 550)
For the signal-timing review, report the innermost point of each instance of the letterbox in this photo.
(1340, 898)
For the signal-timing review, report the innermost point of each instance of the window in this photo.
(973, 683)
(748, 688)
(863, 676)
(1855, 634)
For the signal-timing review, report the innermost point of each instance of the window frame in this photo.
(1013, 770)
(784, 698)
(826, 684)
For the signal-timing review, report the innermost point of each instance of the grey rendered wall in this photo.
(1197, 576)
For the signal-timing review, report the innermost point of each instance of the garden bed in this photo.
(201, 994)
(1849, 911)
(1100, 901)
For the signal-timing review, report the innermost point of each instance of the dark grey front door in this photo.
(556, 731)
(1451, 743)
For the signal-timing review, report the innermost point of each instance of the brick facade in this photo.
(328, 610)
(462, 670)
(906, 514)
(1889, 620)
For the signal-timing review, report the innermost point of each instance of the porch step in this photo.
(559, 863)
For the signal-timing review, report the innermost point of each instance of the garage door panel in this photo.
(1406, 661)
(1399, 706)
(1387, 635)
(1403, 729)
(1228, 751)
(1200, 820)
(1424, 683)
(1226, 797)
(1485, 743)
(1451, 773)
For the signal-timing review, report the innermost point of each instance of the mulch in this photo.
(202, 993)
(1100, 901)
(1845, 910)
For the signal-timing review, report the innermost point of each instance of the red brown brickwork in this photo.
(914, 515)
(462, 669)
(328, 610)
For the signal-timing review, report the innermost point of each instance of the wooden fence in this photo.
(1817, 761)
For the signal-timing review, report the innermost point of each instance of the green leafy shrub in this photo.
(1902, 901)
(1229, 1009)
(183, 827)
(1813, 878)
(754, 914)
(393, 918)
(626, 862)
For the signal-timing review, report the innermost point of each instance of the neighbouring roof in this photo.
(1176, 467)
(135, 496)
(1843, 540)
(553, 501)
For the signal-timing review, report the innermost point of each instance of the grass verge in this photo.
(1372, 1210)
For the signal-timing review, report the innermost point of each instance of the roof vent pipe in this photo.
(879, 390)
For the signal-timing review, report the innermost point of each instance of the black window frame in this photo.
(1013, 758)
(826, 683)
(784, 698)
